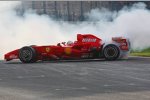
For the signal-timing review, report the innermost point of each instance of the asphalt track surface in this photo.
(76, 80)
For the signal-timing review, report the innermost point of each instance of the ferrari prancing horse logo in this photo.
(48, 49)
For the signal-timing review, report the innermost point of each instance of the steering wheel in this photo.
(64, 43)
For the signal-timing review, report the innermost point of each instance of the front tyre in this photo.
(111, 52)
(27, 54)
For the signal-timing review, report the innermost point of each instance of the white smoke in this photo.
(32, 29)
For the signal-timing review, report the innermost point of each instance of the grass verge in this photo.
(143, 53)
(140, 54)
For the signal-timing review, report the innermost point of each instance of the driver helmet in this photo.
(69, 43)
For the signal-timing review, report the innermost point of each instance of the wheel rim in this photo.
(26, 55)
(110, 52)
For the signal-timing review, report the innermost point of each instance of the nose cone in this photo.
(11, 55)
(6, 57)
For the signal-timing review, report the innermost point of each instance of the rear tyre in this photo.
(111, 52)
(27, 54)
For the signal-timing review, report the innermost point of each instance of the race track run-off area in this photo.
(76, 80)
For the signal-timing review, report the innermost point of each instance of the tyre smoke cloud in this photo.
(33, 29)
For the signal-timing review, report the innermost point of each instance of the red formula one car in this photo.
(87, 46)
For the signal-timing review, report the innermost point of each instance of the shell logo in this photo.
(47, 49)
(68, 51)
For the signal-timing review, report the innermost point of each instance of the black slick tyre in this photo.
(111, 52)
(27, 54)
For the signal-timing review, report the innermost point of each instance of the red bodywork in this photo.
(82, 48)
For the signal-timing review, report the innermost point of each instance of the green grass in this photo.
(140, 54)
(144, 52)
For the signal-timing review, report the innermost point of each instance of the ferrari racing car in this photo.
(87, 46)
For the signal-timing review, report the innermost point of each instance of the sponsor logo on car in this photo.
(88, 40)
(13, 56)
(68, 50)
(47, 49)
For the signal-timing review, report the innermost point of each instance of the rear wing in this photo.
(124, 43)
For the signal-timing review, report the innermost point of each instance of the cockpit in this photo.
(69, 43)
